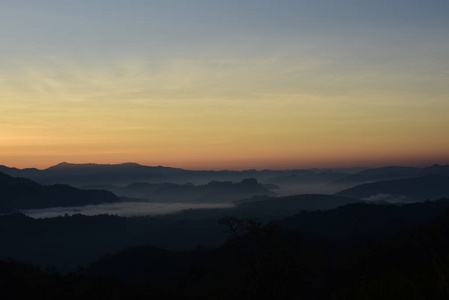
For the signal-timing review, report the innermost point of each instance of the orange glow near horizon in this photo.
(224, 84)
(112, 115)
(237, 163)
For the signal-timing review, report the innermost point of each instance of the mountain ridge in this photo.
(427, 187)
(22, 193)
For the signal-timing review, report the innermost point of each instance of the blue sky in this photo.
(151, 28)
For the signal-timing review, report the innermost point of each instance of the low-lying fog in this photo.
(123, 209)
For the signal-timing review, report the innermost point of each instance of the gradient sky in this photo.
(217, 84)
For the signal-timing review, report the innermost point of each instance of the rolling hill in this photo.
(21, 193)
(402, 190)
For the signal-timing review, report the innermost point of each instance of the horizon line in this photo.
(422, 165)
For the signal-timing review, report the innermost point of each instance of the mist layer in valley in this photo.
(38, 195)
(123, 209)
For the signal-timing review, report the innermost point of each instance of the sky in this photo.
(224, 84)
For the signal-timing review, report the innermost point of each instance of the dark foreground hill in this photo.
(71, 241)
(283, 206)
(259, 261)
(21, 193)
(359, 221)
(264, 261)
(402, 190)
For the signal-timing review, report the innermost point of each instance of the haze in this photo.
(122, 209)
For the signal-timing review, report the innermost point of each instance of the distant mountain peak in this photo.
(425, 187)
(249, 181)
(68, 166)
(130, 164)
(71, 166)
(22, 193)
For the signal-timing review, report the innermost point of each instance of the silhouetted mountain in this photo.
(311, 178)
(63, 242)
(290, 181)
(70, 241)
(214, 191)
(82, 174)
(357, 221)
(436, 169)
(284, 206)
(392, 173)
(5, 169)
(402, 190)
(95, 168)
(129, 173)
(21, 193)
(392, 170)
